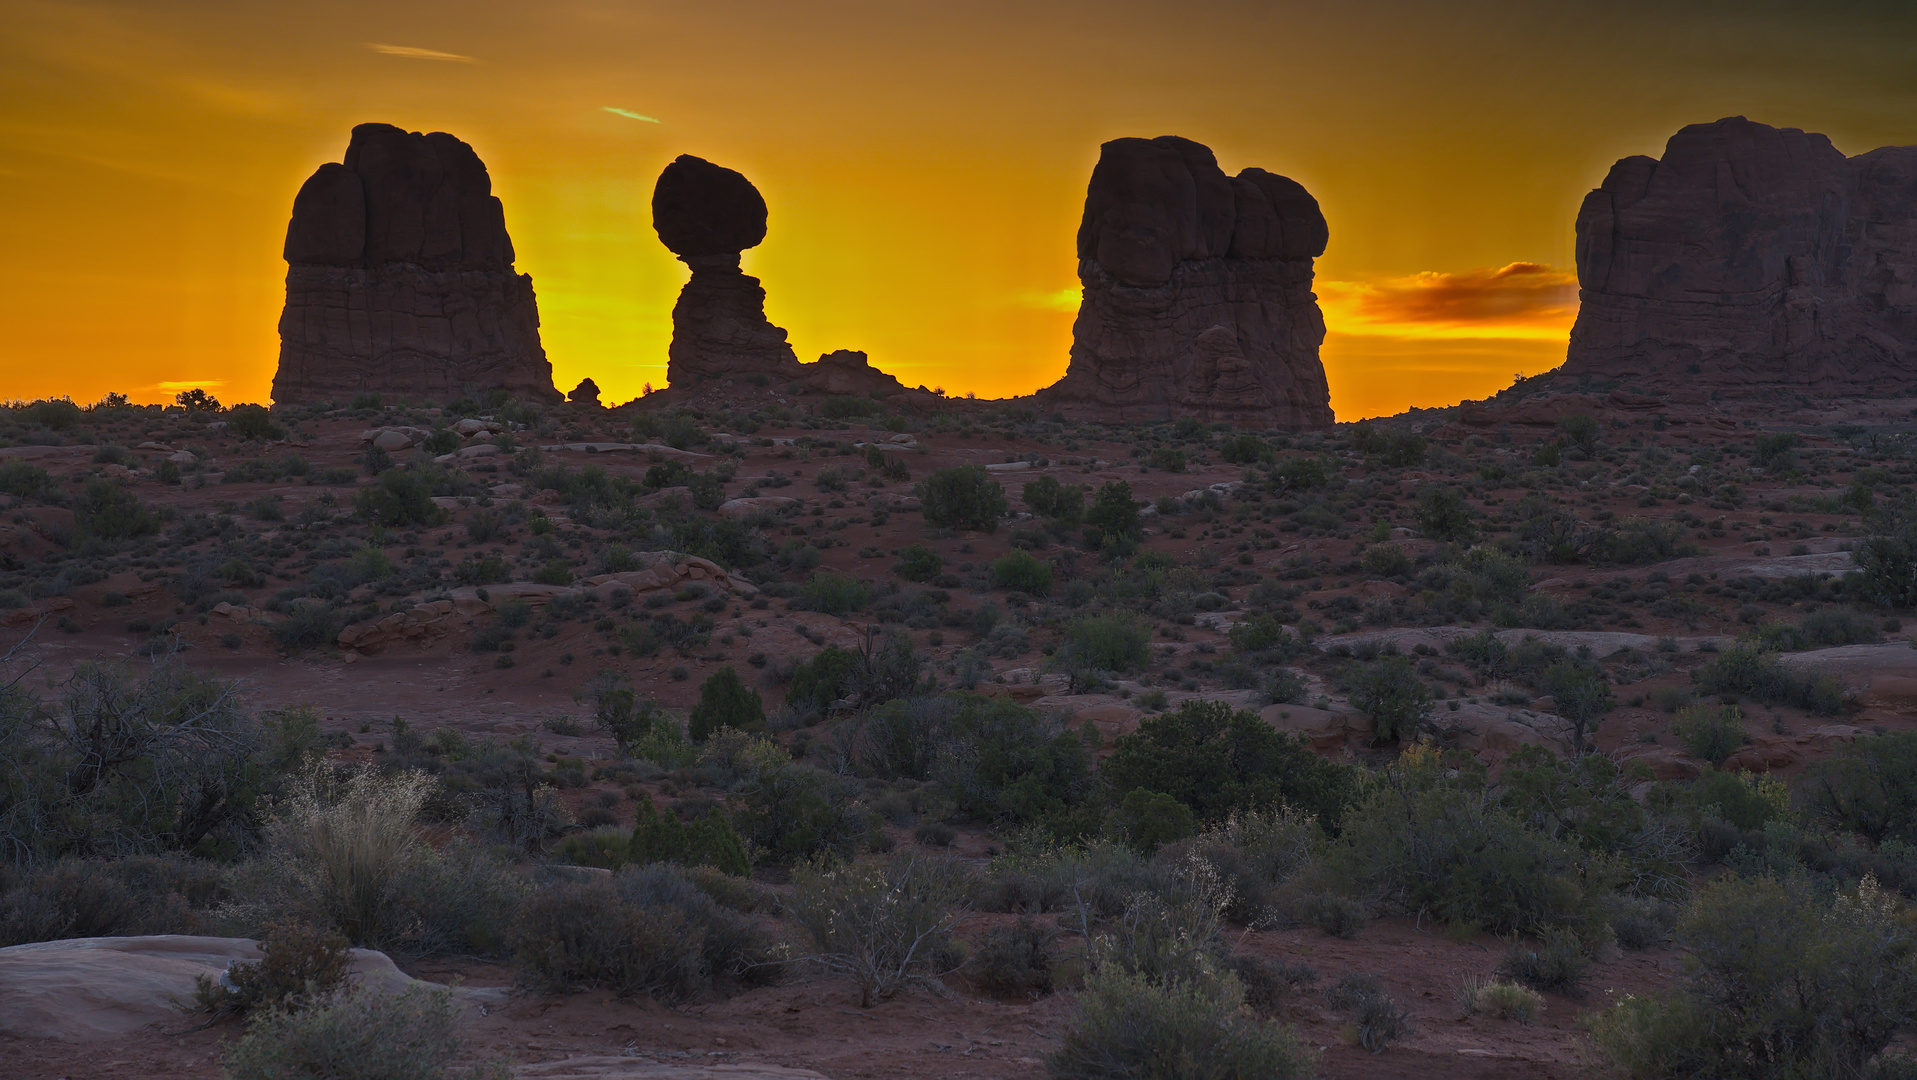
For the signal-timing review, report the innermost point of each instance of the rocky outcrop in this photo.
(1197, 292)
(706, 215)
(1748, 257)
(400, 279)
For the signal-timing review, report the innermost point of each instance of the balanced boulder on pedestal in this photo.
(400, 279)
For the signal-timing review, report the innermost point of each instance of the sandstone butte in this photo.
(1750, 258)
(1197, 293)
(400, 279)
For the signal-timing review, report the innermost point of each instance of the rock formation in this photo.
(1197, 292)
(400, 279)
(706, 215)
(1750, 256)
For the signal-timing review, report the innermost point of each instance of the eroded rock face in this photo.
(400, 279)
(1197, 292)
(707, 215)
(1748, 257)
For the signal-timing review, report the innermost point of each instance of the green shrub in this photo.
(1710, 733)
(831, 675)
(846, 406)
(793, 813)
(1428, 844)
(886, 925)
(1255, 853)
(1244, 449)
(1886, 572)
(919, 563)
(1582, 429)
(1148, 820)
(307, 624)
(962, 497)
(1868, 786)
(1302, 473)
(401, 498)
(360, 1035)
(296, 961)
(1129, 1025)
(1051, 499)
(25, 480)
(724, 701)
(1015, 961)
(1264, 635)
(1582, 696)
(253, 422)
(1821, 630)
(709, 841)
(1216, 760)
(833, 594)
(106, 511)
(1782, 983)
(74, 898)
(571, 935)
(1376, 1019)
(554, 572)
(1385, 561)
(1391, 694)
(1108, 643)
(1113, 516)
(1557, 963)
(997, 760)
(1168, 458)
(1747, 669)
(1443, 514)
(1022, 571)
(1506, 1001)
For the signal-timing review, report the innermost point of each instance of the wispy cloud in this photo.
(629, 114)
(1520, 301)
(188, 384)
(418, 54)
(1065, 299)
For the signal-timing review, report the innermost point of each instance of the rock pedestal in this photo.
(1750, 257)
(1197, 293)
(400, 279)
(706, 215)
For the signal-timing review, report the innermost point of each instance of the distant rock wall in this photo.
(1747, 257)
(400, 279)
(1197, 292)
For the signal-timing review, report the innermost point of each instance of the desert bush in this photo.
(342, 843)
(1113, 518)
(1869, 786)
(1821, 630)
(297, 963)
(1148, 820)
(1636, 541)
(1556, 963)
(1095, 880)
(1015, 960)
(1748, 669)
(794, 812)
(1442, 514)
(107, 512)
(1254, 852)
(735, 949)
(253, 422)
(997, 760)
(1215, 760)
(1425, 842)
(919, 563)
(1264, 636)
(571, 935)
(1582, 694)
(830, 675)
(1022, 571)
(725, 702)
(709, 841)
(886, 925)
(1129, 1025)
(962, 497)
(1782, 984)
(1589, 801)
(24, 480)
(1376, 1019)
(1051, 499)
(1385, 561)
(1642, 922)
(1389, 691)
(139, 894)
(1886, 572)
(1244, 449)
(833, 594)
(1710, 733)
(846, 406)
(458, 901)
(401, 498)
(1504, 1000)
(358, 1035)
(1302, 473)
(1117, 643)
(307, 624)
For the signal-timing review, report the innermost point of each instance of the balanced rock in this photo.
(400, 279)
(1197, 292)
(706, 215)
(1750, 257)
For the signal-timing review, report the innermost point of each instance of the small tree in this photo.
(1113, 518)
(1443, 514)
(1391, 694)
(1582, 429)
(963, 497)
(724, 701)
(1049, 498)
(1582, 694)
(886, 926)
(1021, 570)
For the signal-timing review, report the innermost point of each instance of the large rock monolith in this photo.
(1750, 258)
(400, 279)
(1197, 293)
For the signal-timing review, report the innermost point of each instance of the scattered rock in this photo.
(400, 279)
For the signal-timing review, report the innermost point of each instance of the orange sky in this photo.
(924, 162)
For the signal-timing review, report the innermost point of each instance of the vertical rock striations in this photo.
(1197, 292)
(707, 215)
(400, 279)
(1750, 256)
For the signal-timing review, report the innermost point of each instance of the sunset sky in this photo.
(925, 163)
